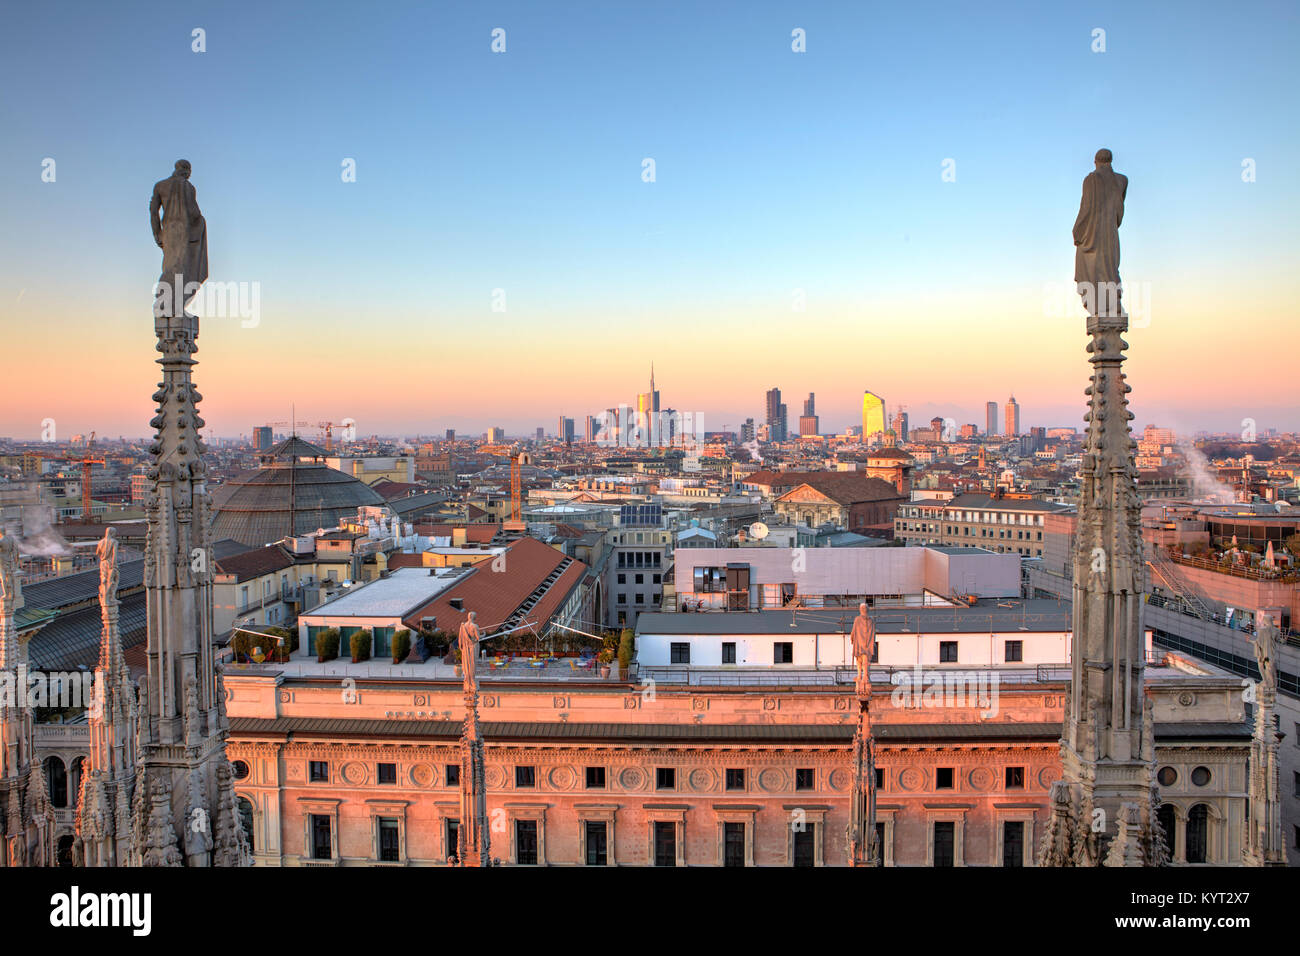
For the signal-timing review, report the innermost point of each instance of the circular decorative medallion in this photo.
(354, 773)
(910, 779)
(422, 775)
(631, 778)
(562, 778)
(1187, 698)
(495, 778)
(702, 779)
(1046, 777)
(981, 778)
(771, 780)
(839, 779)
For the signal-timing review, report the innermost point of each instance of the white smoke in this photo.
(1205, 483)
(35, 534)
(752, 448)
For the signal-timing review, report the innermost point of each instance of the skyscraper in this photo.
(262, 438)
(591, 430)
(900, 425)
(991, 419)
(565, 430)
(808, 421)
(873, 415)
(1013, 418)
(776, 412)
(647, 412)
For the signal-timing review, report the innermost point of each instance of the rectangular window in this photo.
(880, 778)
(948, 652)
(735, 778)
(665, 838)
(526, 842)
(880, 843)
(943, 778)
(665, 778)
(945, 843)
(453, 775)
(596, 845)
(388, 835)
(733, 844)
(319, 772)
(783, 652)
(640, 579)
(622, 579)
(679, 653)
(388, 773)
(1013, 843)
(805, 778)
(1015, 650)
(1015, 778)
(320, 836)
(728, 652)
(525, 776)
(640, 597)
(595, 778)
(804, 845)
(451, 829)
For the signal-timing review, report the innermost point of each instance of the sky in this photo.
(888, 210)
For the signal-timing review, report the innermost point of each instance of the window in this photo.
(1013, 842)
(782, 652)
(728, 652)
(622, 579)
(733, 844)
(526, 841)
(710, 580)
(388, 773)
(1201, 776)
(388, 840)
(320, 837)
(640, 597)
(640, 579)
(1015, 650)
(947, 652)
(451, 830)
(735, 778)
(665, 840)
(665, 778)
(804, 845)
(596, 841)
(453, 775)
(945, 844)
(595, 778)
(239, 769)
(657, 579)
(622, 599)
(525, 776)
(1167, 776)
(1015, 778)
(943, 778)
(1197, 833)
(880, 778)
(679, 653)
(318, 772)
(805, 778)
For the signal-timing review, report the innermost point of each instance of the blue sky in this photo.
(775, 171)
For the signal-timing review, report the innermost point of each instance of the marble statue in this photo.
(11, 589)
(182, 235)
(864, 639)
(468, 639)
(1267, 640)
(1096, 237)
(106, 552)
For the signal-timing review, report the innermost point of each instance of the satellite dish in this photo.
(758, 530)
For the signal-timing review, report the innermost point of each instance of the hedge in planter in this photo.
(626, 649)
(327, 645)
(401, 645)
(361, 645)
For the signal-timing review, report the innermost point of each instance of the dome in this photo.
(256, 507)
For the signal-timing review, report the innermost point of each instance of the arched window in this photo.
(74, 780)
(1198, 834)
(1168, 820)
(246, 820)
(56, 775)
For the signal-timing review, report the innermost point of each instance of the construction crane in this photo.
(87, 463)
(329, 434)
(293, 426)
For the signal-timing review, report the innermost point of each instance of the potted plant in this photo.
(401, 645)
(361, 646)
(626, 650)
(327, 645)
(606, 658)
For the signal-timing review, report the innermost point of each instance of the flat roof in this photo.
(397, 595)
(1033, 615)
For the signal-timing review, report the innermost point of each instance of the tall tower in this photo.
(108, 782)
(1108, 761)
(26, 816)
(184, 802)
(1013, 418)
(873, 415)
(990, 419)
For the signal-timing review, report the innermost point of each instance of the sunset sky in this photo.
(522, 171)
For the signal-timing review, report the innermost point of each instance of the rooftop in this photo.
(1041, 615)
(397, 595)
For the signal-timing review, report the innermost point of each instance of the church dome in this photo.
(294, 492)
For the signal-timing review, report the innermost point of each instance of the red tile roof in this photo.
(495, 595)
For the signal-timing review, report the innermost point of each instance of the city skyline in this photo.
(749, 225)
